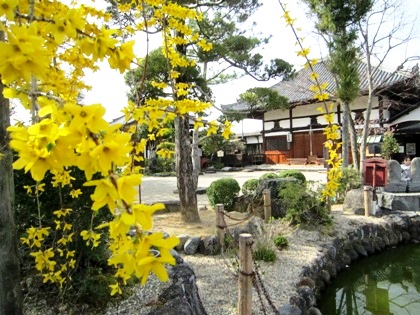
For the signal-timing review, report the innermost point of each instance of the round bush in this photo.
(269, 176)
(249, 187)
(223, 191)
(293, 173)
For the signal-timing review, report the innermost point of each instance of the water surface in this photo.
(383, 284)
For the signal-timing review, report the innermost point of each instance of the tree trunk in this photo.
(345, 134)
(353, 142)
(184, 167)
(10, 292)
(196, 157)
(370, 99)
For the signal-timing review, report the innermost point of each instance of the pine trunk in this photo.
(184, 171)
(10, 293)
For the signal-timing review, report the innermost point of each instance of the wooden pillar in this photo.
(267, 205)
(245, 275)
(220, 225)
(367, 190)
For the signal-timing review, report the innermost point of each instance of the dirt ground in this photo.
(172, 223)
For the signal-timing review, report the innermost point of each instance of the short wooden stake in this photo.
(245, 274)
(267, 205)
(220, 225)
(367, 192)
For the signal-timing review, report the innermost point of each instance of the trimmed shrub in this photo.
(294, 174)
(249, 187)
(269, 176)
(223, 191)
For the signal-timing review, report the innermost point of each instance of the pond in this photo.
(382, 284)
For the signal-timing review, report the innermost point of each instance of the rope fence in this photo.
(248, 272)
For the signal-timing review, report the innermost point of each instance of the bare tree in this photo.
(385, 28)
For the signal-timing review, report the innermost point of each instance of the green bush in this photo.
(216, 164)
(350, 179)
(264, 252)
(294, 174)
(223, 191)
(93, 259)
(249, 187)
(269, 176)
(281, 241)
(303, 205)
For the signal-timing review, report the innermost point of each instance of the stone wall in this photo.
(340, 252)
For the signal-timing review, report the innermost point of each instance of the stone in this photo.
(307, 282)
(314, 311)
(228, 169)
(325, 276)
(181, 297)
(191, 245)
(253, 226)
(242, 203)
(308, 295)
(170, 206)
(183, 238)
(414, 185)
(277, 208)
(209, 245)
(201, 191)
(399, 201)
(360, 249)
(288, 309)
(395, 184)
(354, 202)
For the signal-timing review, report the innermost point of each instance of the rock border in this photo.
(335, 255)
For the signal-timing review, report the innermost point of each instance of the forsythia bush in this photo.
(46, 48)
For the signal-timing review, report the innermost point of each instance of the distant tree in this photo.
(337, 23)
(231, 49)
(385, 28)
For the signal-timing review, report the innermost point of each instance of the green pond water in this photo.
(382, 284)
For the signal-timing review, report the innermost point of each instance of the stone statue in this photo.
(414, 185)
(395, 184)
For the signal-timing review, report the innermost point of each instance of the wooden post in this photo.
(267, 205)
(245, 274)
(367, 190)
(220, 225)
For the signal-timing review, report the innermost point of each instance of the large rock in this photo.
(181, 297)
(191, 245)
(277, 208)
(209, 245)
(354, 202)
(399, 201)
(253, 226)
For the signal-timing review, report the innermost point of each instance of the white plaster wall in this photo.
(254, 140)
(301, 113)
(412, 116)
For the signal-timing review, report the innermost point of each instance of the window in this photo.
(277, 144)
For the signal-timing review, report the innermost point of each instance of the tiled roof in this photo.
(297, 90)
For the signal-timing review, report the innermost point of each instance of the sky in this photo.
(108, 87)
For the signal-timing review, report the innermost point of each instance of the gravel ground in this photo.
(216, 278)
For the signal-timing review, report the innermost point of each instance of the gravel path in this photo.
(217, 282)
